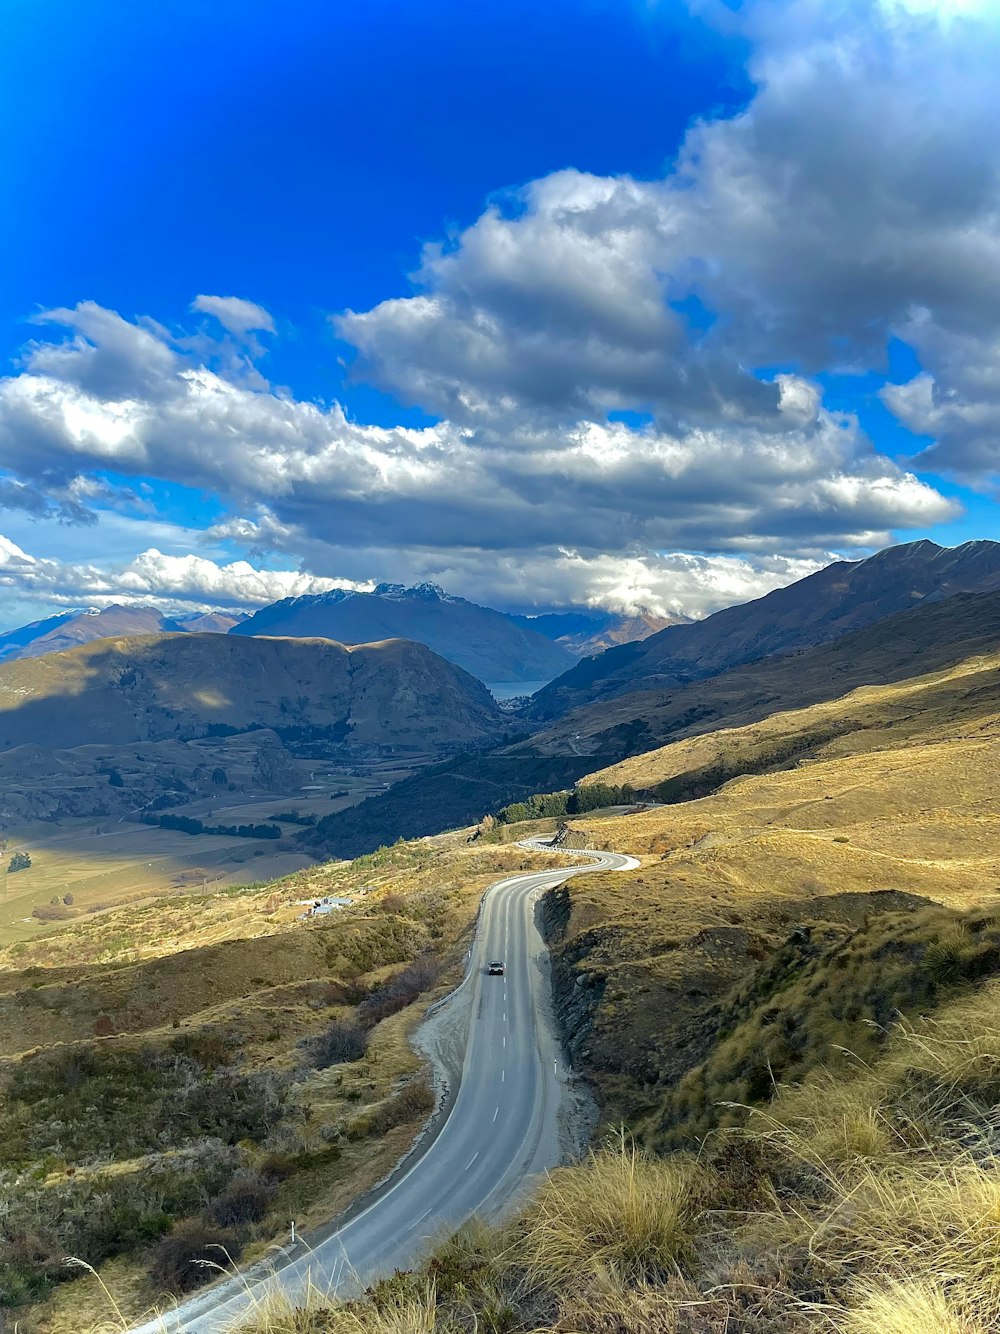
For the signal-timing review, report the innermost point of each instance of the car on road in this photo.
(496, 968)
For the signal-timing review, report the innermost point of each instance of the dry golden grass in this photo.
(622, 1220)
(962, 698)
(907, 1307)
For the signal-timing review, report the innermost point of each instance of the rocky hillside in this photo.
(117, 691)
(484, 642)
(841, 598)
(68, 629)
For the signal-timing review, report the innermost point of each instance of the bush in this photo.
(48, 912)
(191, 1255)
(245, 1200)
(19, 862)
(398, 991)
(343, 1040)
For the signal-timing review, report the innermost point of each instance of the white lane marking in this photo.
(471, 1161)
(503, 1076)
(505, 1039)
(505, 1016)
(496, 1113)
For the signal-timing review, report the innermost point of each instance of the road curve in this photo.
(500, 1130)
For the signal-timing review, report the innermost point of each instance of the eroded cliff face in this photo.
(576, 995)
(669, 1029)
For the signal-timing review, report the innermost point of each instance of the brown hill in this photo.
(117, 691)
(841, 598)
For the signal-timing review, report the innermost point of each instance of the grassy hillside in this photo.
(791, 1004)
(727, 878)
(216, 1063)
(926, 708)
(931, 638)
(864, 1203)
(117, 691)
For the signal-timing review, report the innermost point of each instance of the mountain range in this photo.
(497, 647)
(486, 643)
(585, 633)
(842, 597)
(68, 629)
(904, 610)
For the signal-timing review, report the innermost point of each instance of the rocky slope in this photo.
(484, 642)
(836, 600)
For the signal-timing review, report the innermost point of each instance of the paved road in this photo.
(501, 1129)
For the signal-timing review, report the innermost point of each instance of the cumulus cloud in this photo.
(153, 578)
(235, 314)
(804, 475)
(860, 184)
(592, 348)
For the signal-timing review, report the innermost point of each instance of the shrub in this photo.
(190, 1255)
(398, 991)
(19, 862)
(52, 912)
(245, 1200)
(342, 1040)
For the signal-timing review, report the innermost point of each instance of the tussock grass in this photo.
(908, 1308)
(624, 1218)
(403, 1311)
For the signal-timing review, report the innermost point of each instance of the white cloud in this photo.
(806, 475)
(861, 182)
(152, 578)
(235, 314)
(855, 198)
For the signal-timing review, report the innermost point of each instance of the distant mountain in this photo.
(68, 629)
(586, 633)
(117, 691)
(929, 638)
(482, 641)
(932, 637)
(844, 596)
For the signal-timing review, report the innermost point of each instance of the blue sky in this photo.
(584, 302)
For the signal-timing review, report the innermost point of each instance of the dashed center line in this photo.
(496, 1113)
(471, 1161)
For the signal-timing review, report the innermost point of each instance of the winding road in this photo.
(500, 1127)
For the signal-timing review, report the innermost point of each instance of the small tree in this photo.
(115, 779)
(219, 777)
(19, 862)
